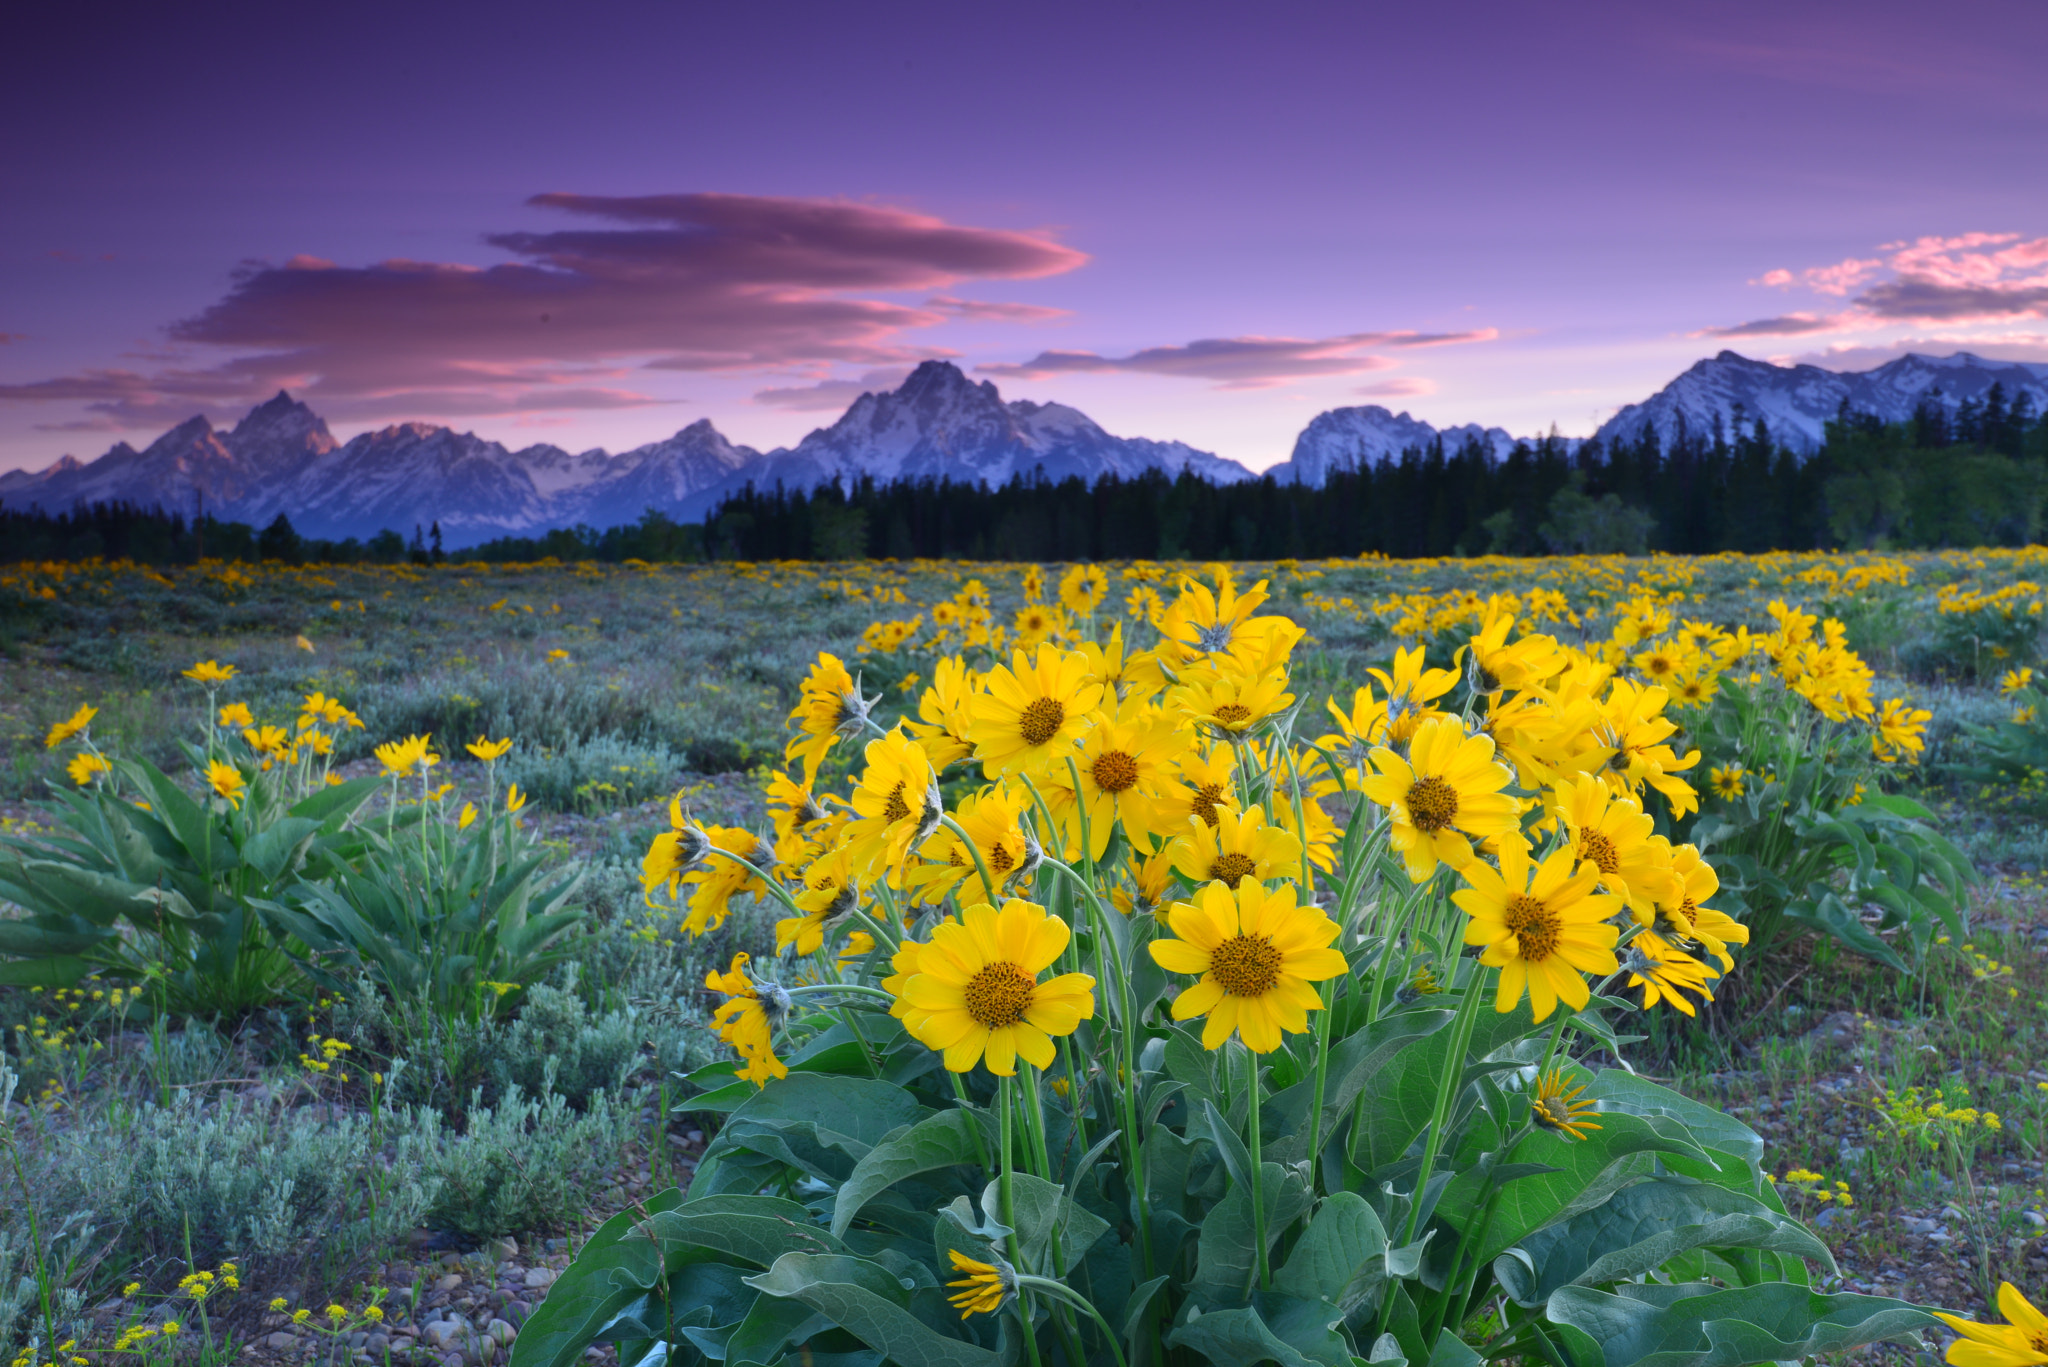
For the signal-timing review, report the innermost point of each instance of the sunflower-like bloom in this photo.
(1082, 588)
(1497, 665)
(1685, 918)
(1611, 834)
(87, 766)
(401, 757)
(1543, 927)
(829, 709)
(2021, 1343)
(70, 726)
(896, 805)
(226, 781)
(986, 1286)
(489, 750)
(1226, 703)
(1208, 787)
(1257, 952)
(829, 893)
(1901, 732)
(945, 713)
(1556, 1106)
(1631, 752)
(1410, 690)
(1219, 625)
(1128, 766)
(211, 673)
(1240, 844)
(718, 880)
(1033, 711)
(975, 996)
(1666, 973)
(1448, 789)
(1146, 893)
(2013, 680)
(748, 1019)
(1107, 663)
(236, 716)
(992, 819)
(673, 853)
(1729, 781)
(266, 740)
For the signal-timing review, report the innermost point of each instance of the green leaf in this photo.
(771, 1324)
(1642, 1227)
(821, 1124)
(610, 1272)
(1040, 1210)
(1341, 1242)
(948, 1139)
(1695, 1326)
(754, 1229)
(1588, 1172)
(271, 850)
(869, 1302)
(1225, 1255)
(338, 800)
(1306, 1336)
(1617, 1089)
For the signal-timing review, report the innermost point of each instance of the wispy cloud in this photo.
(1968, 278)
(689, 282)
(831, 395)
(1242, 362)
(1400, 387)
(989, 311)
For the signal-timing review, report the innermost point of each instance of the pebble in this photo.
(502, 1250)
(515, 1313)
(537, 1277)
(448, 1282)
(280, 1341)
(503, 1332)
(2037, 1219)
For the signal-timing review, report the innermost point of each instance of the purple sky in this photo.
(594, 224)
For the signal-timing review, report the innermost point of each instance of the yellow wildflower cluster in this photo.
(1927, 1117)
(1814, 1186)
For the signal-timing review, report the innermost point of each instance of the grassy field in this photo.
(1905, 1111)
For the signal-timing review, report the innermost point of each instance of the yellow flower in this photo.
(1610, 833)
(1682, 916)
(265, 740)
(87, 766)
(1257, 952)
(986, 1285)
(401, 757)
(1240, 844)
(210, 673)
(1032, 711)
(975, 995)
(1036, 624)
(1498, 665)
(896, 805)
(1447, 789)
(748, 1019)
(1226, 703)
(1410, 690)
(1207, 786)
(236, 716)
(718, 879)
(829, 709)
(226, 780)
(514, 799)
(1557, 1107)
(830, 891)
(1150, 880)
(1901, 731)
(1665, 972)
(462, 822)
(2021, 1343)
(488, 750)
(1083, 587)
(1127, 765)
(1727, 781)
(2013, 680)
(1542, 927)
(944, 713)
(992, 819)
(70, 726)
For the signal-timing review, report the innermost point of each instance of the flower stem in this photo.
(1258, 1172)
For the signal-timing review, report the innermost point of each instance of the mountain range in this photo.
(281, 458)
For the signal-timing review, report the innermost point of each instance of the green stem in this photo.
(1326, 990)
(980, 864)
(1448, 1087)
(1063, 1292)
(1006, 1198)
(1258, 1172)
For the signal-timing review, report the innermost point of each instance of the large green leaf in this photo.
(871, 1303)
(1584, 1173)
(1225, 1256)
(944, 1140)
(616, 1266)
(820, 1124)
(1282, 1329)
(754, 1229)
(1696, 1326)
(1642, 1227)
(1043, 1212)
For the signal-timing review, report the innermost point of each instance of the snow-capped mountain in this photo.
(940, 424)
(1345, 438)
(1797, 402)
(281, 459)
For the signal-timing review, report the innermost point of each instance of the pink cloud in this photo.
(1241, 362)
(1400, 387)
(1784, 325)
(1994, 346)
(1970, 277)
(695, 282)
(831, 395)
(986, 311)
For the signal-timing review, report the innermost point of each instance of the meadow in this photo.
(464, 991)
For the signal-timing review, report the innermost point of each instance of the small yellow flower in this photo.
(211, 673)
(488, 750)
(226, 781)
(70, 726)
(985, 1287)
(279, 1304)
(462, 822)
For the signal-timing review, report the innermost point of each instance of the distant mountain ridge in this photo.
(281, 458)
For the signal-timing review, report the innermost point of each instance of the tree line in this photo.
(1970, 474)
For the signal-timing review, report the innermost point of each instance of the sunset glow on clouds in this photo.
(1209, 229)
